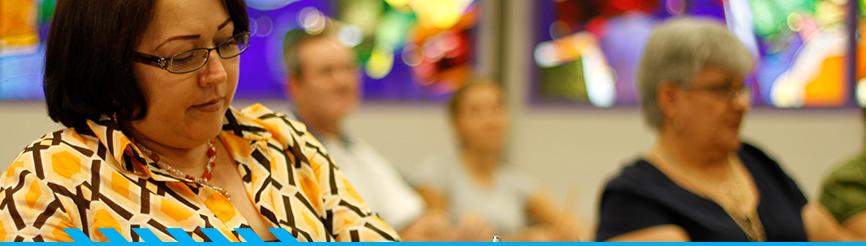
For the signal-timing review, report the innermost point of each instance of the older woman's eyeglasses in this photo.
(727, 92)
(194, 59)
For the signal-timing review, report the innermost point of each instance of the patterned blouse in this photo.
(99, 179)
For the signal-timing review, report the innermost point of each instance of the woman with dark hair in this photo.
(145, 87)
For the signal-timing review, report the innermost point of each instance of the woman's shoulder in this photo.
(636, 175)
(433, 171)
(759, 161)
(63, 153)
(770, 176)
(259, 122)
(754, 151)
(641, 180)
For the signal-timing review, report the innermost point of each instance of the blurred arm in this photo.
(560, 222)
(822, 227)
(856, 226)
(662, 233)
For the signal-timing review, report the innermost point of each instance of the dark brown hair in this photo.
(89, 56)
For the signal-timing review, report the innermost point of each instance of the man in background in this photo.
(324, 87)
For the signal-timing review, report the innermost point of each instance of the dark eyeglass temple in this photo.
(151, 60)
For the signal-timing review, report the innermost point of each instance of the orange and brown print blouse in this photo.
(99, 179)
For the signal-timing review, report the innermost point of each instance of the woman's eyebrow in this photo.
(224, 24)
(181, 37)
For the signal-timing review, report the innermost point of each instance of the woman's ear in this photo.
(667, 98)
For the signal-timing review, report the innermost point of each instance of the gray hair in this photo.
(680, 48)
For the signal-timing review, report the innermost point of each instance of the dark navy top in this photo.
(641, 196)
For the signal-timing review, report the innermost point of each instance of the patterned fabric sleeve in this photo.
(348, 216)
(352, 219)
(31, 211)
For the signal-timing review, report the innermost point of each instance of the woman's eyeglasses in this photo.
(727, 92)
(194, 59)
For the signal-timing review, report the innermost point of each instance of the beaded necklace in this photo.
(203, 180)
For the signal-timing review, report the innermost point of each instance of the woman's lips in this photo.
(210, 106)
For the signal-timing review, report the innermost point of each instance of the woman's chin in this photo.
(732, 144)
(204, 132)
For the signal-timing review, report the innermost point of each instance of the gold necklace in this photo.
(203, 180)
(749, 221)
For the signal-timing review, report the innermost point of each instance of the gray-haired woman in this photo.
(700, 182)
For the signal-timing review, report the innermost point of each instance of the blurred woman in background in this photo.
(478, 187)
(699, 182)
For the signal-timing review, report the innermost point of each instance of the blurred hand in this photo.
(542, 233)
(539, 234)
(568, 231)
(473, 228)
(432, 226)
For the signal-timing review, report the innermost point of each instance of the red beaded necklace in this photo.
(206, 175)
